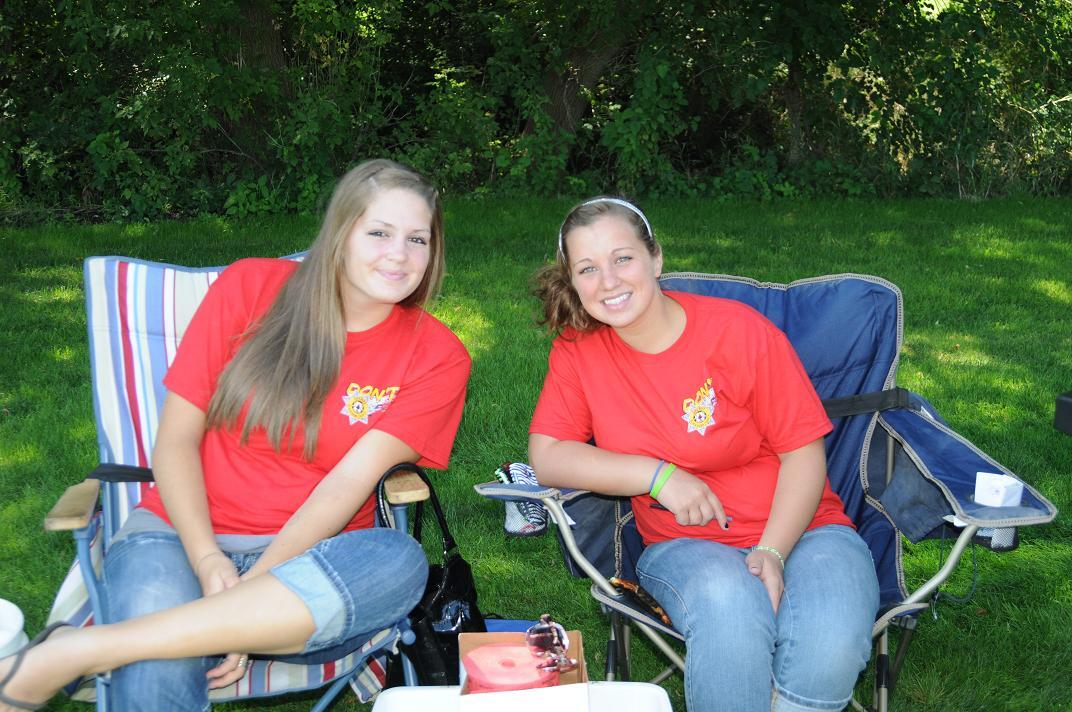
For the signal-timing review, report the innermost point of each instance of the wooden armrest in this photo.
(74, 508)
(405, 487)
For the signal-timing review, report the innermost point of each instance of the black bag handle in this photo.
(382, 506)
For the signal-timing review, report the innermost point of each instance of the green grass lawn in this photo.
(988, 301)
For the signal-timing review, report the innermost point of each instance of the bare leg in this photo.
(260, 615)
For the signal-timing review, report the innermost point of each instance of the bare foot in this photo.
(44, 670)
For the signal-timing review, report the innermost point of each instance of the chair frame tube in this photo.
(597, 578)
(83, 543)
(947, 569)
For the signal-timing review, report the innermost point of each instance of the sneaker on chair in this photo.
(522, 518)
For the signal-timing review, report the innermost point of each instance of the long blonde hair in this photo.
(553, 283)
(292, 357)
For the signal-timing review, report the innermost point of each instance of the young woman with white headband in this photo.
(702, 413)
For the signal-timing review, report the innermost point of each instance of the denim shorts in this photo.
(354, 584)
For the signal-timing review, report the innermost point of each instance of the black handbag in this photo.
(449, 604)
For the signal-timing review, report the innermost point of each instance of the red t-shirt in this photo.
(405, 376)
(721, 402)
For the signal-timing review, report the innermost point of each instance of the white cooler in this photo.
(580, 697)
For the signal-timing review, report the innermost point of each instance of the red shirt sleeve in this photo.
(239, 296)
(562, 411)
(431, 399)
(785, 406)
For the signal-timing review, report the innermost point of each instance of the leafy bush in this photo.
(130, 111)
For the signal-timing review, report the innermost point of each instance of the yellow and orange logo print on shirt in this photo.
(700, 411)
(362, 401)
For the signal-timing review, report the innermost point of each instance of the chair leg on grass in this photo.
(677, 662)
(328, 697)
(882, 662)
(624, 641)
(612, 656)
(662, 645)
(618, 649)
(908, 626)
(666, 674)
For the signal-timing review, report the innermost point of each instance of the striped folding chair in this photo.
(899, 469)
(137, 312)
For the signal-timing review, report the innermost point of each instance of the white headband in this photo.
(616, 201)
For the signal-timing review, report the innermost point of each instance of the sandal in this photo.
(38, 639)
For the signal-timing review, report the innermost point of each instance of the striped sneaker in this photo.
(524, 518)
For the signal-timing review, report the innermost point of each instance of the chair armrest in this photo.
(405, 487)
(932, 457)
(74, 508)
(518, 492)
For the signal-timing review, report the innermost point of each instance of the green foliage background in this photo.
(124, 110)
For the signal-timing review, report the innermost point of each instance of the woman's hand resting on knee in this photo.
(766, 566)
(216, 572)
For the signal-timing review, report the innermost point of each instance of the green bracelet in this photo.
(661, 480)
(771, 549)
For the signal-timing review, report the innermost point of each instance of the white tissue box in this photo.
(997, 490)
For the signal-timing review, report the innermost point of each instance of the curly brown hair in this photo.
(552, 284)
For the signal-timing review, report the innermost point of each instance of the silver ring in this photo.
(243, 661)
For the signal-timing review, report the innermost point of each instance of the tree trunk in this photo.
(584, 65)
(794, 105)
(260, 44)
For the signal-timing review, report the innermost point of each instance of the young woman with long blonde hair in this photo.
(295, 387)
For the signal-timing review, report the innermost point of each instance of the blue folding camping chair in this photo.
(896, 465)
(137, 312)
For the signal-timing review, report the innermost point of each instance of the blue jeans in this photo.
(353, 584)
(737, 651)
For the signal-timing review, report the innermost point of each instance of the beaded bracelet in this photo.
(661, 480)
(771, 549)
